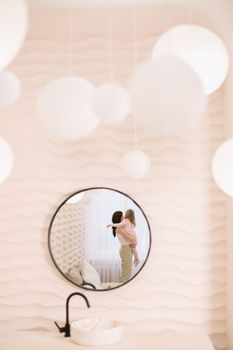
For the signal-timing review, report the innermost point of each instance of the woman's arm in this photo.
(121, 224)
(115, 225)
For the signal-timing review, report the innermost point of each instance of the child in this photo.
(128, 224)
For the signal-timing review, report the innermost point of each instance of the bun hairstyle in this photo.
(129, 214)
(116, 219)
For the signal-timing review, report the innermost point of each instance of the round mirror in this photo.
(99, 238)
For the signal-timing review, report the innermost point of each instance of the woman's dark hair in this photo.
(116, 219)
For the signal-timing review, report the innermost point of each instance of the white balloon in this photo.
(199, 47)
(6, 159)
(136, 164)
(167, 96)
(111, 102)
(222, 167)
(13, 28)
(10, 88)
(64, 108)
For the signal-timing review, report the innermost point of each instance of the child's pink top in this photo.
(129, 228)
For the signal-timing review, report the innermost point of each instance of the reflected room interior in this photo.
(84, 249)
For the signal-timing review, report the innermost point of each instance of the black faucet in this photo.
(66, 328)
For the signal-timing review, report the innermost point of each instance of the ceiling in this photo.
(105, 3)
(219, 11)
(93, 3)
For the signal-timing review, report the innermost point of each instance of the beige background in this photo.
(183, 285)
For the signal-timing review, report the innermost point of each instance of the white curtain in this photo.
(100, 243)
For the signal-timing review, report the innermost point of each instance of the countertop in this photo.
(35, 340)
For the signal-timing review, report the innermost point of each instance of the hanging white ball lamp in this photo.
(167, 96)
(64, 108)
(199, 47)
(10, 88)
(111, 102)
(136, 164)
(222, 167)
(13, 28)
(6, 160)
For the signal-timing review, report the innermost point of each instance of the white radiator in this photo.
(109, 270)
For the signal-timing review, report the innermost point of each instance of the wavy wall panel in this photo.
(183, 285)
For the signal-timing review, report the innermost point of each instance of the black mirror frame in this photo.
(51, 224)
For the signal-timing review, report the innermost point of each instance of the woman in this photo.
(128, 224)
(125, 250)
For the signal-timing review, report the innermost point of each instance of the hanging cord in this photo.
(135, 60)
(110, 64)
(190, 12)
(71, 41)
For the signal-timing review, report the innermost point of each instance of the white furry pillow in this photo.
(90, 274)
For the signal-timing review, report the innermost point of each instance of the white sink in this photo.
(95, 331)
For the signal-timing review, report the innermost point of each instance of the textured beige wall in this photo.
(229, 208)
(183, 285)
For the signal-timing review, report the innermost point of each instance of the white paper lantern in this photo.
(10, 88)
(199, 47)
(13, 28)
(111, 102)
(222, 167)
(136, 164)
(64, 108)
(6, 160)
(167, 96)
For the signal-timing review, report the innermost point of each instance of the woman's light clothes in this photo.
(126, 263)
(120, 237)
(127, 237)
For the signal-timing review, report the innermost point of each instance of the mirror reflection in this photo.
(99, 238)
